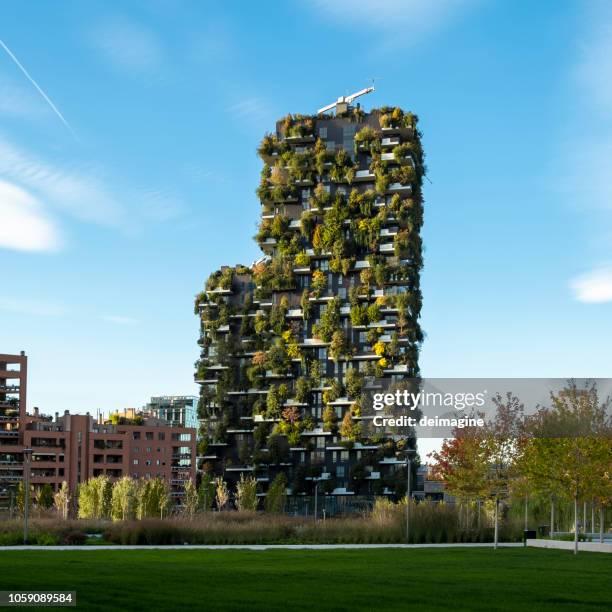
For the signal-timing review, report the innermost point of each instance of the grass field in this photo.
(383, 579)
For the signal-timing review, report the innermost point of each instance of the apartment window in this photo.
(149, 435)
(323, 132)
(136, 449)
(135, 461)
(340, 471)
(344, 456)
(148, 449)
(148, 462)
(320, 442)
(161, 436)
(135, 435)
(157, 462)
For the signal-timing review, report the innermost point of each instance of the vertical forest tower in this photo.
(290, 344)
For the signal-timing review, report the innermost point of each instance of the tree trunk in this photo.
(552, 516)
(584, 517)
(593, 517)
(496, 530)
(478, 502)
(526, 512)
(601, 523)
(575, 524)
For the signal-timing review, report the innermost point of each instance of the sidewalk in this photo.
(257, 546)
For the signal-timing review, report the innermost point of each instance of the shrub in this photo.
(277, 494)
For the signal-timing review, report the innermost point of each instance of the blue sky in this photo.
(112, 217)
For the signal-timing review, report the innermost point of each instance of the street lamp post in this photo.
(27, 453)
(408, 485)
(316, 510)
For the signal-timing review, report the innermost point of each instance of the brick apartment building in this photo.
(76, 447)
(13, 385)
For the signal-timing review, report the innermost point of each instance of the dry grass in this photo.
(429, 523)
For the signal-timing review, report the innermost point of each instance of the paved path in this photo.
(257, 547)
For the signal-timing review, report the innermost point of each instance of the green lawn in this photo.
(387, 579)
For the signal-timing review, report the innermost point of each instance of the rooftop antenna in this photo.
(342, 103)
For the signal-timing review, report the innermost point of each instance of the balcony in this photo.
(364, 175)
(398, 187)
(390, 141)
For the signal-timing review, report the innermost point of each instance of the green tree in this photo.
(123, 499)
(206, 492)
(152, 498)
(569, 448)
(191, 500)
(221, 493)
(44, 497)
(246, 494)
(20, 497)
(61, 500)
(95, 497)
(277, 495)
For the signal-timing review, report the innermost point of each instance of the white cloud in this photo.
(160, 205)
(38, 307)
(24, 225)
(129, 46)
(119, 320)
(595, 64)
(78, 192)
(584, 168)
(405, 21)
(594, 287)
(249, 109)
(14, 101)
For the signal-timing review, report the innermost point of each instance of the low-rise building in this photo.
(74, 448)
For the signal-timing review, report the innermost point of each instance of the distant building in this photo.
(74, 448)
(430, 487)
(178, 410)
(13, 384)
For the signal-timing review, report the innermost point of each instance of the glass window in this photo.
(323, 132)
(135, 461)
(136, 435)
(149, 435)
(161, 436)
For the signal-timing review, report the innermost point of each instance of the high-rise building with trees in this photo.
(290, 343)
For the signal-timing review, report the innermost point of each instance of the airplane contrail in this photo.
(38, 88)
